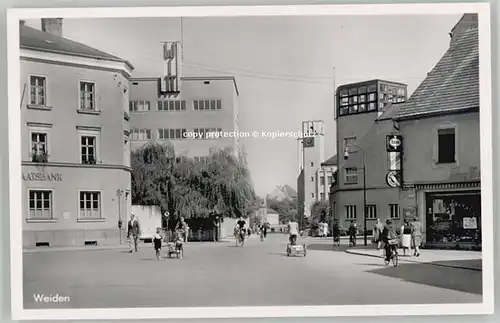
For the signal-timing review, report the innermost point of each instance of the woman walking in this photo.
(377, 233)
(416, 234)
(406, 237)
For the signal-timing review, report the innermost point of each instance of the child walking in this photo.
(157, 243)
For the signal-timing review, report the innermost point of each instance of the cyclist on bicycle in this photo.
(388, 234)
(293, 231)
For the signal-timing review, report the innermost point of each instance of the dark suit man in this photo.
(133, 233)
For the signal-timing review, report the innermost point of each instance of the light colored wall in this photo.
(63, 96)
(66, 229)
(420, 147)
(61, 122)
(190, 118)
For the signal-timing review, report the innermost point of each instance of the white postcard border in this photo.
(14, 118)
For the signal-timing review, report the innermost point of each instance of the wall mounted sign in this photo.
(470, 223)
(394, 160)
(393, 179)
(42, 177)
(394, 143)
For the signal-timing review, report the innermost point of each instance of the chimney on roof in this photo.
(52, 25)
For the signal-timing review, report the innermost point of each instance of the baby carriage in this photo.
(177, 247)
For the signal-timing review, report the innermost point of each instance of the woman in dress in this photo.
(406, 237)
(416, 234)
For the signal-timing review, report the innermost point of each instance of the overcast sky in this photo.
(284, 66)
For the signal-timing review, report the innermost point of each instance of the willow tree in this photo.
(191, 189)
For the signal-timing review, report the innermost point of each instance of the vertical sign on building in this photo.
(169, 84)
(394, 148)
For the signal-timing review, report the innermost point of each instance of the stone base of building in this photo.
(72, 238)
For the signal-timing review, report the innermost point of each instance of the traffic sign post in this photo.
(393, 179)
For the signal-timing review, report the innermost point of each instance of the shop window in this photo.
(453, 217)
(446, 146)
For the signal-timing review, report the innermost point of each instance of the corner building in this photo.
(75, 140)
(363, 115)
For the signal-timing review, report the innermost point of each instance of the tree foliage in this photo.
(286, 208)
(183, 187)
(320, 213)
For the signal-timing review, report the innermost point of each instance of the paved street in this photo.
(219, 274)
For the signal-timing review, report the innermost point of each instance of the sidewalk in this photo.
(471, 260)
(123, 246)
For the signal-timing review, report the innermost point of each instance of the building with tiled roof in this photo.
(438, 172)
(441, 131)
(75, 140)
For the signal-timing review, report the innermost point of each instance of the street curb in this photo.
(101, 248)
(416, 262)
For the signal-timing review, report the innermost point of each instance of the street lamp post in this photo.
(346, 156)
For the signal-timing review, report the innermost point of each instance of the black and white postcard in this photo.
(265, 161)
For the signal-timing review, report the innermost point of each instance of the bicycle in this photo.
(394, 257)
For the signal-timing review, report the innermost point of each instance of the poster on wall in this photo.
(470, 223)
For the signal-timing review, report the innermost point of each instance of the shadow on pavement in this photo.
(283, 254)
(341, 248)
(450, 278)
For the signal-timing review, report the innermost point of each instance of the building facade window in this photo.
(371, 212)
(90, 205)
(171, 105)
(330, 180)
(351, 175)
(87, 96)
(39, 149)
(126, 151)
(322, 196)
(357, 99)
(312, 178)
(139, 106)
(207, 105)
(38, 90)
(350, 212)
(312, 195)
(446, 146)
(140, 134)
(394, 211)
(172, 134)
(88, 146)
(312, 164)
(207, 133)
(40, 205)
(322, 180)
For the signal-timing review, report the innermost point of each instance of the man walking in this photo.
(133, 233)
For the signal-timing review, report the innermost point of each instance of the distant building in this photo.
(312, 155)
(75, 144)
(325, 178)
(272, 218)
(204, 106)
